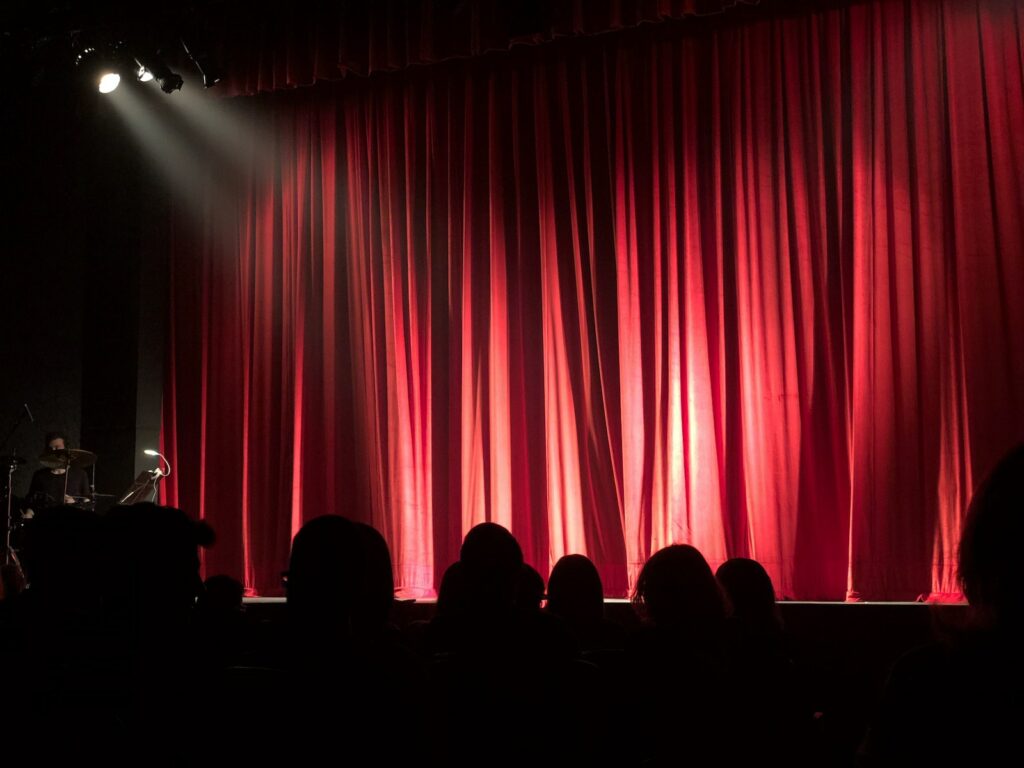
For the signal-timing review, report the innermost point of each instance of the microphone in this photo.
(161, 472)
(25, 405)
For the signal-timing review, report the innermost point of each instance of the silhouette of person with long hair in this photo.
(493, 660)
(151, 580)
(961, 700)
(779, 715)
(351, 678)
(576, 596)
(683, 659)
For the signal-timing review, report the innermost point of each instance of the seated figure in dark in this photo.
(529, 589)
(350, 679)
(494, 661)
(150, 584)
(778, 702)
(576, 596)
(960, 700)
(683, 660)
(218, 623)
(108, 670)
(54, 653)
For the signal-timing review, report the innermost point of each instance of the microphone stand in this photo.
(67, 473)
(10, 557)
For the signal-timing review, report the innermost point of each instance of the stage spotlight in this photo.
(203, 61)
(109, 81)
(100, 66)
(86, 56)
(144, 75)
(209, 80)
(169, 81)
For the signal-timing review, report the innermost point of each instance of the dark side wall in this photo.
(81, 283)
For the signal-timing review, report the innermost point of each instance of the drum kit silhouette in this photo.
(62, 461)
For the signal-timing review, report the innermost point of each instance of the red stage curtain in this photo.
(759, 289)
(284, 46)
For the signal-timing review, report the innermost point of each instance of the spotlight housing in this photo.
(171, 83)
(149, 62)
(97, 68)
(204, 62)
(86, 56)
(144, 75)
(102, 63)
(109, 82)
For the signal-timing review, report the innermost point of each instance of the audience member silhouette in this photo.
(152, 565)
(478, 595)
(61, 563)
(492, 562)
(12, 582)
(480, 609)
(425, 635)
(677, 591)
(103, 639)
(151, 582)
(576, 596)
(960, 701)
(452, 599)
(377, 640)
(221, 598)
(376, 596)
(529, 589)
(351, 676)
(218, 622)
(493, 659)
(308, 674)
(751, 594)
(684, 660)
(53, 649)
(780, 715)
(323, 580)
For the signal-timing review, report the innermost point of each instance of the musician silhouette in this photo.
(62, 479)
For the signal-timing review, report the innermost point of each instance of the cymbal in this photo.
(67, 457)
(11, 460)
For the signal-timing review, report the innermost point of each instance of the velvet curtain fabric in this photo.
(277, 46)
(759, 290)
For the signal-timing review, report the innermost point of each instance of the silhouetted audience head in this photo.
(749, 589)
(676, 589)
(530, 589)
(221, 596)
(324, 573)
(491, 560)
(153, 561)
(574, 590)
(451, 595)
(61, 553)
(991, 569)
(377, 593)
(970, 679)
(218, 624)
(12, 581)
(340, 577)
